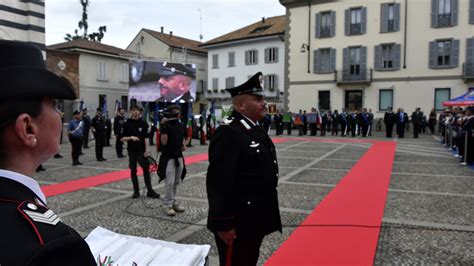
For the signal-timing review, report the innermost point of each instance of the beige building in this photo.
(161, 46)
(378, 54)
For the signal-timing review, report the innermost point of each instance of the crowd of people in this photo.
(456, 129)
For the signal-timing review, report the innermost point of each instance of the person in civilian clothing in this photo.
(402, 120)
(432, 121)
(75, 134)
(30, 125)
(242, 179)
(135, 132)
(119, 121)
(417, 120)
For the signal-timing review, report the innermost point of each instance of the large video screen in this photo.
(152, 81)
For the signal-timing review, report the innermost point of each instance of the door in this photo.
(324, 98)
(353, 100)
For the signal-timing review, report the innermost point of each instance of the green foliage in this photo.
(84, 26)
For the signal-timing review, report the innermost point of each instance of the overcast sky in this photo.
(125, 18)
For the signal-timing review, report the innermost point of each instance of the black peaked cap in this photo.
(251, 86)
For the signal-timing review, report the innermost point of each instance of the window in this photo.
(215, 84)
(444, 54)
(469, 65)
(440, 96)
(270, 82)
(444, 13)
(260, 29)
(271, 55)
(124, 73)
(390, 21)
(354, 61)
(231, 59)
(355, 21)
(387, 57)
(124, 101)
(385, 99)
(251, 57)
(102, 71)
(324, 61)
(325, 24)
(229, 82)
(215, 61)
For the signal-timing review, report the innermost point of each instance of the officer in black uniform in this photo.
(119, 121)
(242, 179)
(30, 233)
(99, 128)
(176, 82)
(87, 126)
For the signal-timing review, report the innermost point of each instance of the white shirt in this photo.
(26, 181)
(251, 121)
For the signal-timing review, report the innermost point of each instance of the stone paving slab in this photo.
(69, 173)
(335, 164)
(437, 169)
(421, 246)
(321, 176)
(70, 201)
(144, 218)
(301, 196)
(293, 162)
(432, 208)
(403, 157)
(304, 154)
(462, 185)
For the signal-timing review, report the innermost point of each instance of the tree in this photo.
(84, 26)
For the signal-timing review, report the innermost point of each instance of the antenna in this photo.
(200, 25)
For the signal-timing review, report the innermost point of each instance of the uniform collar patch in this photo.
(246, 125)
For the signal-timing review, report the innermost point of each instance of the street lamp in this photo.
(304, 48)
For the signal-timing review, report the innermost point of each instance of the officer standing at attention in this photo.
(99, 128)
(119, 121)
(242, 179)
(30, 125)
(87, 126)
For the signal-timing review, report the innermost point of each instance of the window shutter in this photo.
(384, 18)
(454, 12)
(247, 57)
(347, 22)
(396, 17)
(378, 57)
(345, 59)
(397, 55)
(318, 25)
(470, 51)
(316, 62)
(471, 12)
(364, 20)
(434, 13)
(333, 24)
(332, 56)
(256, 57)
(363, 59)
(275, 82)
(267, 56)
(266, 83)
(276, 54)
(455, 53)
(432, 55)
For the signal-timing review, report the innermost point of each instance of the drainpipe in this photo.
(309, 35)
(405, 36)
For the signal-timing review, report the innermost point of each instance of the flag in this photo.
(202, 121)
(117, 106)
(104, 107)
(212, 120)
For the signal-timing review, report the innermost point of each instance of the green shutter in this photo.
(455, 53)
(384, 18)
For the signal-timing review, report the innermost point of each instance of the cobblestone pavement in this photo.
(428, 219)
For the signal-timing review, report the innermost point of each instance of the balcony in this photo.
(353, 76)
(444, 20)
(468, 72)
(325, 32)
(356, 29)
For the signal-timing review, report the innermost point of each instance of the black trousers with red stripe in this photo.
(245, 250)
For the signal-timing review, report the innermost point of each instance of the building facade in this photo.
(236, 56)
(23, 21)
(378, 54)
(102, 72)
(166, 47)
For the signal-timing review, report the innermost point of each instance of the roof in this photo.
(176, 41)
(265, 27)
(90, 45)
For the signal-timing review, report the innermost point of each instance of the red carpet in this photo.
(97, 180)
(358, 199)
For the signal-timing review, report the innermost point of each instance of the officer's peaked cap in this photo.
(170, 69)
(23, 74)
(251, 86)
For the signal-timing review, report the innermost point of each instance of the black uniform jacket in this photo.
(242, 179)
(25, 241)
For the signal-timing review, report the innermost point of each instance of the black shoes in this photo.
(101, 159)
(57, 156)
(135, 195)
(120, 156)
(76, 163)
(152, 194)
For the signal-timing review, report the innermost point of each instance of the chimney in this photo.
(162, 28)
(171, 33)
(263, 20)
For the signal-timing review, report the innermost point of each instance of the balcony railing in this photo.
(444, 20)
(468, 71)
(355, 75)
(356, 29)
(325, 32)
(391, 26)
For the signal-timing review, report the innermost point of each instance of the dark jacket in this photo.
(242, 179)
(417, 118)
(173, 149)
(99, 124)
(25, 241)
(119, 121)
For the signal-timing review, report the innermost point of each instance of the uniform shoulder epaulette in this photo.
(227, 121)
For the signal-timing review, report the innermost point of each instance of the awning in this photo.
(463, 100)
